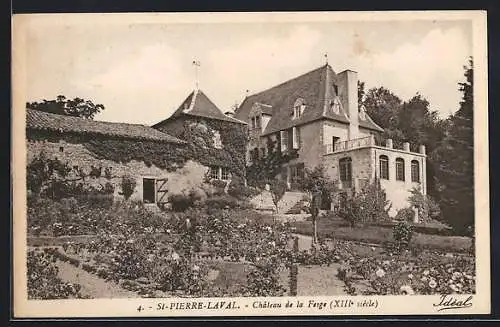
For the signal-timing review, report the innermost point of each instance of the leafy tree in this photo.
(454, 161)
(265, 169)
(317, 184)
(77, 107)
(278, 189)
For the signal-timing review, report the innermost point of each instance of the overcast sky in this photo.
(141, 72)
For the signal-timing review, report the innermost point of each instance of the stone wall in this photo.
(78, 156)
(365, 166)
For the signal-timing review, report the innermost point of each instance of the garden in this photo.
(221, 246)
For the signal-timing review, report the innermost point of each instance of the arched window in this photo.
(415, 171)
(384, 167)
(298, 108)
(400, 169)
(345, 170)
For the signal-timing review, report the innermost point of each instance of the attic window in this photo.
(335, 106)
(298, 108)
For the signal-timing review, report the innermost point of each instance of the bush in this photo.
(402, 234)
(428, 209)
(128, 186)
(222, 202)
(181, 202)
(405, 214)
(278, 189)
(368, 205)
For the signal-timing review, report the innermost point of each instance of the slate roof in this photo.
(198, 104)
(39, 120)
(316, 88)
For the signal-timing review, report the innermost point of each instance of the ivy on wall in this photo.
(198, 133)
(267, 168)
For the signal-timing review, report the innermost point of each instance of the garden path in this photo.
(317, 280)
(92, 286)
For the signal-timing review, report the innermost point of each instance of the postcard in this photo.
(250, 164)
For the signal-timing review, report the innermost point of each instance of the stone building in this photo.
(199, 112)
(70, 139)
(318, 116)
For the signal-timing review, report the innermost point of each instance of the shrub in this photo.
(370, 204)
(402, 233)
(222, 202)
(128, 186)
(263, 280)
(428, 209)
(405, 214)
(181, 202)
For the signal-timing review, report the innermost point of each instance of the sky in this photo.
(141, 71)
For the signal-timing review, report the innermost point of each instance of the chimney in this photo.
(349, 95)
(422, 149)
(406, 147)
(388, 143)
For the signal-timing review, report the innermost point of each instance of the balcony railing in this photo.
(350, 144)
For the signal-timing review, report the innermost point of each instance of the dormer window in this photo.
(298, 108)
(256, 122)
(335, 105)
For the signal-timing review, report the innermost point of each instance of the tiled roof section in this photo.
(369, 124)
(312, 87)
(198, 104)
(40, 120)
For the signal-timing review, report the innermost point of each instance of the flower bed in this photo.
(428, 273)
(43, 282)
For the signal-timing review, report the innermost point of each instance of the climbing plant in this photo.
(265, 169)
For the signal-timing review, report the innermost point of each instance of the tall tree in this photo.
(454, 160)
(77, 107)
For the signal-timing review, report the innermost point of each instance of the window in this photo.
(296, 137)
(400, 169)
(336, 89)
(148, 190)
(61, 149)
(225, 174)
(345, 169)
(284, 140)
(298, 108)
(297, 172)
(415, 171)
(214, 172)
(335, 139)
(217, 140)
(384, 167)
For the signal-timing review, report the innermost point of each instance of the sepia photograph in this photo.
(250, 164)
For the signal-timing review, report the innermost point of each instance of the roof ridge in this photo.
(293, 79)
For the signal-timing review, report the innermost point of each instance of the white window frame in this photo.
(296, 137)
(284, 140)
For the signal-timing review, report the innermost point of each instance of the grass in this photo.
(379, 235)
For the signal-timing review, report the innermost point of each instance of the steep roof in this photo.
(39, 120)
(316, 88)
(198, 104)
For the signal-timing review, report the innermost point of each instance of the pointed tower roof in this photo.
(198, 104)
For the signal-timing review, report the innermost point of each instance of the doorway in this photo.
(148, 190)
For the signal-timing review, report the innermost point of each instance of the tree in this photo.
(454, 161)
(318, 186)
(278, 189)
(77, 107)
